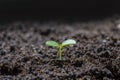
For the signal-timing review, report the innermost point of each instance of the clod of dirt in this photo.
(7, 69)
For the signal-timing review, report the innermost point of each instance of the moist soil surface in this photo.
(96, 56)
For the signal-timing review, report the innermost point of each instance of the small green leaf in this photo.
(68, 42)
(52, 43)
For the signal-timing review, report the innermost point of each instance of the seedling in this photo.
(60, 46)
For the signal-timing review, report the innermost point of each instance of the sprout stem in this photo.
(60, 49)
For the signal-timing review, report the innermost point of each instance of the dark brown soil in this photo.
(96, 56)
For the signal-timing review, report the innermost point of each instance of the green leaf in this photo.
(52, 43)
(68, 42)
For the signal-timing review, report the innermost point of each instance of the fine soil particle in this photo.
(96, 56)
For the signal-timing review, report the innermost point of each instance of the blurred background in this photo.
(57, 9)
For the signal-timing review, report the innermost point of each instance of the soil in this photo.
(96, 56)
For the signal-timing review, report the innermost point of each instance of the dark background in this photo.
(57, 9)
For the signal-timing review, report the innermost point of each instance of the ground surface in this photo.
(96, 56)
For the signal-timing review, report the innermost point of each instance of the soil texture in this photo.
(96, 56)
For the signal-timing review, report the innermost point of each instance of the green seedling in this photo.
(60, 46)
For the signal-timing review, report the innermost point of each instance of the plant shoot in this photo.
(60, 46)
